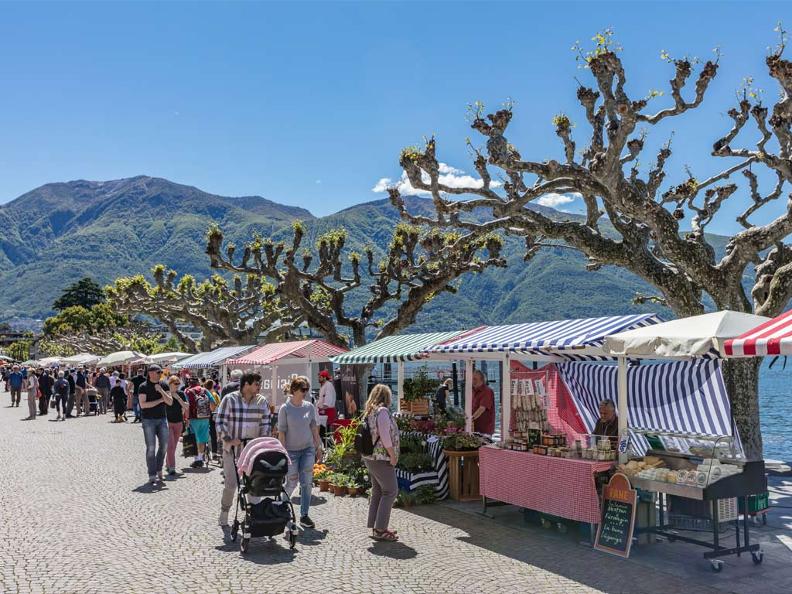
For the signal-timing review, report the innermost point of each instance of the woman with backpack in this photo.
(381, 462)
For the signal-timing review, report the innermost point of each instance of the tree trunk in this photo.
(741, 377)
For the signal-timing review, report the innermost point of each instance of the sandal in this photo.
(384, 535)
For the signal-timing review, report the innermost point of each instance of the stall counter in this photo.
(562, 487)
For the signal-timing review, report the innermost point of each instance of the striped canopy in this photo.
(546, 338)
(310, 350)
(685, 396)
(405, 347)
(774, 337)
(213, 358)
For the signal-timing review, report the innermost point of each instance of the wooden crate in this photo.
(463, 475)
(416, 407)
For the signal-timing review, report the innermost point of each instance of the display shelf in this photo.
(688, 491)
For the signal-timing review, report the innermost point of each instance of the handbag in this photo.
(189, 445)
(52, 402)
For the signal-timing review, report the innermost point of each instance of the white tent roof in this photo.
(168, 358)
(695, 336)
(121, 358)
(50, 361)
(80, 359)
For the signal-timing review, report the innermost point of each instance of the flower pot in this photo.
(352, 491)
(324, 485)
(338, 490)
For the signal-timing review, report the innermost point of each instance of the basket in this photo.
(756, 503)
(727, 512)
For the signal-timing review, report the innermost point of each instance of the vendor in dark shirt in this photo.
(608, 423)
(441, 396)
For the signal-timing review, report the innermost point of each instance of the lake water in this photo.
(775, 402)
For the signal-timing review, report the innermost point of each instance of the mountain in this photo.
(60, 232)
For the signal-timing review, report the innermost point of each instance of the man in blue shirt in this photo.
(15, 385)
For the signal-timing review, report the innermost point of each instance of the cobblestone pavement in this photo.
(75, 516)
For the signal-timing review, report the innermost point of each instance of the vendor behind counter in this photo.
(608, 423)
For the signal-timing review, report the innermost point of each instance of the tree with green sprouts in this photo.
(234, 313)
(100, 329)
(635, 218)
(323, 283)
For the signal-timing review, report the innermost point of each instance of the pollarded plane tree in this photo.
(649, 215)
(349, 296)
(234, 313)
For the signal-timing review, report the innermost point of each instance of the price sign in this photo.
(618, 517)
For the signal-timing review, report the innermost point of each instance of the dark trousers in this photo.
(44, 404)
(213, 434)
(70, 404)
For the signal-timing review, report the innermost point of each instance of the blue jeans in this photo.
(301, 470)
(155, 430)
(136, 406)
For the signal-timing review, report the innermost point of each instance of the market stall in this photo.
(122, 359)
(168, 359)
(86, 359)
(278, 361)
(212, 360)
(538, 420)
(684, 446)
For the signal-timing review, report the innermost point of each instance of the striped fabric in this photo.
(434, 445)
(314, 350)
(687, 396)
(405, 347)
(546, 338)
(771, 338)
(209, 359)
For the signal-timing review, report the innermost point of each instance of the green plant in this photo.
(462, 441)
(415, 462)
(425, 495)
(419, 385)
(405, 499)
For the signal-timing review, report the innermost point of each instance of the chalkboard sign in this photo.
(618, 517)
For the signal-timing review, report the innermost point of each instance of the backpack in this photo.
(364, 444)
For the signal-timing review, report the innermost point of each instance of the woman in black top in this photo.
(175, 412)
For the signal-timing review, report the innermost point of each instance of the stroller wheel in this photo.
(234, 531)
(292, 540)
(244, 544)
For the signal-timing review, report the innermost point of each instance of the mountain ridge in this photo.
(62, 231)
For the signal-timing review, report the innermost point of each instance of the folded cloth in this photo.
(253, 448)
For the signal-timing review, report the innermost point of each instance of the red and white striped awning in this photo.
(317, 351)
(774, 337)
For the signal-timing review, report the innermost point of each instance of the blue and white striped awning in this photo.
(682, 396)
(561, 338)
(213, 358)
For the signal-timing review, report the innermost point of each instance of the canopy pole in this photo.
(469, 395)
(506, 406)
(399, 384)
(623, 420)
(274, 376)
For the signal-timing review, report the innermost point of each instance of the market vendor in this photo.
(483, 405)
(608, 423)
(326, 403)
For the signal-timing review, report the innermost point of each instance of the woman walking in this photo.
(381, 464)
(299, 434)
(211, 387)
(200, 411)
(119, 396)
(175, 412)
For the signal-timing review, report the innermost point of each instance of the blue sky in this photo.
(310, 104)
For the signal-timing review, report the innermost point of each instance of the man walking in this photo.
(154, 397)
(102, 385)
(137, 381)
(72, 391)
(241, 416)
(31, 384)
(45, 388)
(80, 384)
(61, 396)
(15, 385)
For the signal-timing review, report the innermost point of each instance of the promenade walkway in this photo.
(77, 516)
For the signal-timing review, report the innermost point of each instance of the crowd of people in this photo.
(222, 419)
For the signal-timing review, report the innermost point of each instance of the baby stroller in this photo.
(261, 470)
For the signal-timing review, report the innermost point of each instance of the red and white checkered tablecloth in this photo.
(557, 486)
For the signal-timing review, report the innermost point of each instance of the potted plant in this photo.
(338, 483)
(321, 476)
(352, 487)
(418, 389)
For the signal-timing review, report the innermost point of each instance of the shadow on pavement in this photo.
(262, 551)
(149, 488)
(311, 537)
(392, 550)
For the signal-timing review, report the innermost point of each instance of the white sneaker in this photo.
(223, 520)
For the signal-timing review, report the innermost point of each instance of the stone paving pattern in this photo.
(76, 516)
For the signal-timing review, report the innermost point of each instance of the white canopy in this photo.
(121, 358)
(696, 336)
(168, 358)
(80, 359)
(49, 361)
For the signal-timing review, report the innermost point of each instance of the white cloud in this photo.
(555, 200)
(449, 176)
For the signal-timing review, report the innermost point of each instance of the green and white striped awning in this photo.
(404, 347)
